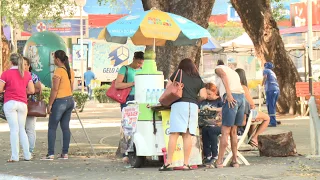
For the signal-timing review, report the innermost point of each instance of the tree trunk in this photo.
(198, 11)
(276, 143)
(5, 52)
(258, 22)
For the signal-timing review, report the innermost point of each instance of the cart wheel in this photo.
(136, 161)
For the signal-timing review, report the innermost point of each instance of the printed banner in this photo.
(177, 160)
(129, 120)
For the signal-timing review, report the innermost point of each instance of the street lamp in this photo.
(81, 3)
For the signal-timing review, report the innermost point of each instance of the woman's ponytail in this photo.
(66, 64)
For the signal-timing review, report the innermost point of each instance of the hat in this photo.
(268, 65)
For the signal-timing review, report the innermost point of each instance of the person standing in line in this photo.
(271, 87)
(232, 94)
(61, 104)
(16, 83)
(88, 76)
(184, 112)
(31, 120)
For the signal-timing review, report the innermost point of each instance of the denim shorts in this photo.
(233, 116)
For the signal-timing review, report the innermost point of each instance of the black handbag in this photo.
(206, 118)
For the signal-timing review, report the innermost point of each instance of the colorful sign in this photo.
(67, 27)
(177, 159)
(129, 120)
(108, 58)
(299, 13)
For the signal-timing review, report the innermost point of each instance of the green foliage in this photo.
(100, 94)
(278, 9)
(114, 4)
(46, 94)
(80, 99)
(226, 32)
(18, 12)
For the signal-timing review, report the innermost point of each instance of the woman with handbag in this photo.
(184, 111)
(14, 82)
(61, 104)
(125, 78)
(31, 120)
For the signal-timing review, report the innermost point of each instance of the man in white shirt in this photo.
(231, 91)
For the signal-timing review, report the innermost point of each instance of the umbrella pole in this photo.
(154, 44)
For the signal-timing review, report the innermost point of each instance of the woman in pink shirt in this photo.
(16, 83)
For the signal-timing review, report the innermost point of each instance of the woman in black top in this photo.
(184, 112)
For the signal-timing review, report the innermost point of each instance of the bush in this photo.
(79, 97)
(100, 94)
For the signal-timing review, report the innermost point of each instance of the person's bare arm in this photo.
(30, 88)
(225, 81)
(202, 94)
(248, 97)
(120, 84)
(54, 91)
(37, 87)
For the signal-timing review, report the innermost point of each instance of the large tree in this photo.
(259, 23)
(18, 12)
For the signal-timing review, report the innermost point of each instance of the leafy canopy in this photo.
(17, 12)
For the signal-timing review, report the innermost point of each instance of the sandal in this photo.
(11, 161)
(218, 166)
(253, 144)
(186, 167)
(166, 168)
(234, 164)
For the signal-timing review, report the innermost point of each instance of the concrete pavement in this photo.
(102, 124)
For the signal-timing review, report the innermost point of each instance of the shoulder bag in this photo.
(119, 95)
(37, 107)
(173, 92)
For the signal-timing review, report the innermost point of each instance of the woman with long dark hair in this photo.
(61, 104)
(14, 82)
(184, 112)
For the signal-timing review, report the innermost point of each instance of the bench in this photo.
(302, 91)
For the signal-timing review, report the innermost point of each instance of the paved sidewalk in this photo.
(102, 124)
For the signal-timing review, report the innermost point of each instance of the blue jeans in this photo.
(271, 98)
(233, 116)
(210, 140)
(89, 92)
(60, 112)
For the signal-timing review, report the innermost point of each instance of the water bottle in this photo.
(153, 96)
(148, 93)
(158, 95)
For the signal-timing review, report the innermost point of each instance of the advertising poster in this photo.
(177, 160)
(129, 120)
(110, 57)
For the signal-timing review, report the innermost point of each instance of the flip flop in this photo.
(186, 167)
(166, 168)
(234, 164)
(253, 144)
(218, 166)
(11, 161)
